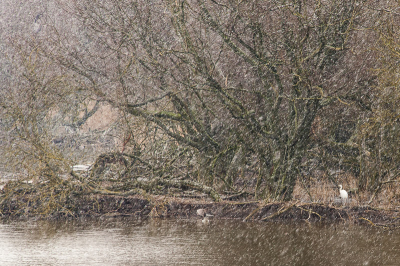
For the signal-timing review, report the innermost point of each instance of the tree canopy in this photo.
(221, 96)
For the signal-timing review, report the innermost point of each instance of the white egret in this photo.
(343, 194)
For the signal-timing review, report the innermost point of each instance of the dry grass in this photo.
(323, 191)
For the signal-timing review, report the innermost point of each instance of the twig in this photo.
(252, 213)
(278, 213)
(369, 221)
(310, 211)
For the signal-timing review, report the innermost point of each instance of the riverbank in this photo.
(164, 207)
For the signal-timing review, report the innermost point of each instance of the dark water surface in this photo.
(125, 241)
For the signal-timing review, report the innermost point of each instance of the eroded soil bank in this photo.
(177, 208)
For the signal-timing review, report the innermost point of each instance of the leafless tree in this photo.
(218, 95)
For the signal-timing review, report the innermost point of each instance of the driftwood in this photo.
(149, 184)
(128, 164)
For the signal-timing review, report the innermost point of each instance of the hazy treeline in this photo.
(227, 96)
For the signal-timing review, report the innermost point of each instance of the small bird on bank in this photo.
(205, 215)
(343, 194)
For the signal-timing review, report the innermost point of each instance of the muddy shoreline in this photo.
(180, 208)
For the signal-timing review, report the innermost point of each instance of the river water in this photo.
(123, 241)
